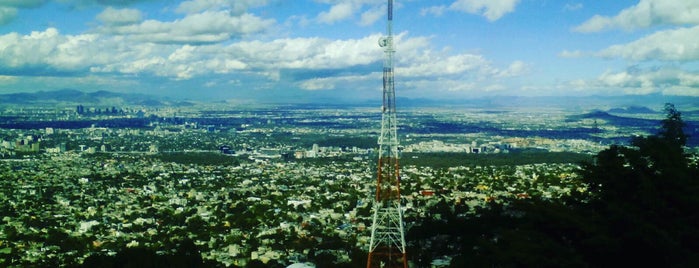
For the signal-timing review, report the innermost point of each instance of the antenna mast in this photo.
(387, 244)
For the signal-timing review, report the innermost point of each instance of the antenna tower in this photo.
(387, 244)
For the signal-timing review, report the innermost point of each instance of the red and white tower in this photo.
(387, 244)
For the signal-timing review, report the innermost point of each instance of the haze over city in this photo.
(326, 49)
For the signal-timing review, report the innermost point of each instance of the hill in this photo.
(74, 97)
(632, 110)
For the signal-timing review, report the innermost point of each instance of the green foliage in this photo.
(672, 127)
(199, 158)
(186, 255)
(647, 196)
(443, 160)
(359, 142)
(641, 212)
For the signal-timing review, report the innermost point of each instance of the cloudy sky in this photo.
(327, 49)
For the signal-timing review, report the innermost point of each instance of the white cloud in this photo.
(317, 84)
(144, 50)
(645, 14)
(329, 83)
(682, 91)
(88, 3)
(431, 64)
(371, 11)
(90, 53)
(23, 3)
(196, 6)
(435, 87)
(8, 79)
(205, 27)
(372, 15)
(434, 10)
(178, 62)
(635, 81)
(516, 68)
(307, 53)
(237, 7)
(119, 55)
(7, 14)
(112, 16)
(670, 45)
(338, 12)
(9, 8)
(572, 6)
(490, 9)
(571, 54)
(49, 50)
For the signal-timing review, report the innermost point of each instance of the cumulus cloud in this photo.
(117, 17)
(196, 6)
(639, 81)
(431, 64)
(338, 12)
(572, 7)
(49, 52)
(645, 14)
(87, 3)
(516, 68)
(329, 83)
(490, 9)
(307, 53)
(9, 8)
(7, 14)
(434, 10)
(432, 87)
(371, 11)
(205, 27)
(23, 3)
(372, 15)
(670, 45)
(190, 50)
(417, 60)
(571, 54)
(176, 62)
(58, 54)
(237, 7)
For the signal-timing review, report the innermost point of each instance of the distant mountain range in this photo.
(611, 104)
(632, 110)
(616, 120)
(75, 97)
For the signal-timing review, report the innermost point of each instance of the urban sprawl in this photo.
(278, 185)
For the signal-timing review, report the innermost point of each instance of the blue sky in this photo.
(327, 49)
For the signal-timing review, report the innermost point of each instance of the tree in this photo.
(641, 212)
(646, 196)
(672, 129)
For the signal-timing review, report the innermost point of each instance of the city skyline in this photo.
(324, 49)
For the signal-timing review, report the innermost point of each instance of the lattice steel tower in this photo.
(387, 244)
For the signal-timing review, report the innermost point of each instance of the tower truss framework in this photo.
(387, 243)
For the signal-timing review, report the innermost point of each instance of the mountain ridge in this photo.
(76, 97)
(652, 103)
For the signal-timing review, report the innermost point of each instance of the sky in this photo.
(327, 50)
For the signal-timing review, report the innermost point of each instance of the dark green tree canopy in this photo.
(672, 129)
(641, 211)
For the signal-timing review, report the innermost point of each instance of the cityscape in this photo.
(349, 133)
(275, 184)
